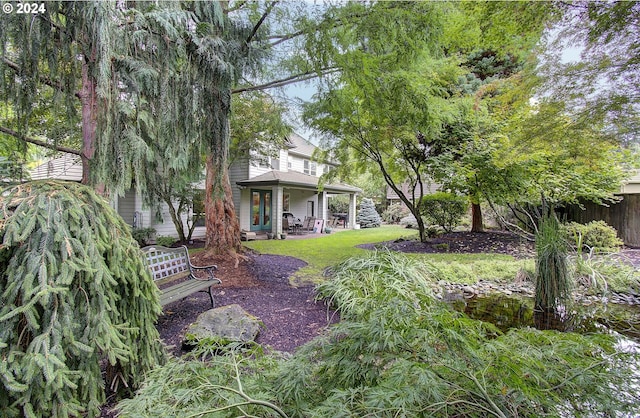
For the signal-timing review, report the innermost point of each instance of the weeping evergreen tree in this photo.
(76, 297)
(151, 82)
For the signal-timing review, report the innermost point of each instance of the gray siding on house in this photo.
(127, 206)
(166, 227)
(237, 172)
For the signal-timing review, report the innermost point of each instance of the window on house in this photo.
(310, 167)
(285, 202)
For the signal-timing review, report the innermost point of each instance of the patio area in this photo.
(301, 234)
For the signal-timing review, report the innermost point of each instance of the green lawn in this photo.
(331, 249)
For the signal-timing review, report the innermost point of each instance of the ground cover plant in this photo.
(77, 301)
(399, 352)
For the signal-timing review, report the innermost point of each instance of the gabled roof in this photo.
(65, 167)
(300, 146)
(295, 179)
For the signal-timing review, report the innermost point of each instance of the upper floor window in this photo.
(310, 167)
(264, 162)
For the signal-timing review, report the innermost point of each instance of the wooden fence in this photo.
(624, 216)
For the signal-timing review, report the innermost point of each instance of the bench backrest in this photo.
(166, 262)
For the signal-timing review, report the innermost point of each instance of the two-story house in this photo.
(287, 184)
(261, 193)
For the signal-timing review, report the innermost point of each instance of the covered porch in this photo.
(265, 198)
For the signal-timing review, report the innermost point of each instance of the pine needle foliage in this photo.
(76, 296)
(553, 278)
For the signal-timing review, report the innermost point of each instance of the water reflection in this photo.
(507, 312)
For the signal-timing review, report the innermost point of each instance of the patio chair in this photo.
(307, 225)
(286, 226)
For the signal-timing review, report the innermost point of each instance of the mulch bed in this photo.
(260, 285)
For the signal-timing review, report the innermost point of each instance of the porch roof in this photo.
(295, 179)
(65, 167)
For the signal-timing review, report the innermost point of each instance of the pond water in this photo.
(507, 312)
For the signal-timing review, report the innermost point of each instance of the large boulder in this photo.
(226, 324)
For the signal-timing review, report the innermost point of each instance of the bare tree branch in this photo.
(256, 27)
(285, 81)
(39, 143)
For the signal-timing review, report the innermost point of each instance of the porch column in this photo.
(322, 202)
(352, 210)
(278, 196)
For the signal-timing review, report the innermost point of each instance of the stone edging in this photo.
(452, 291)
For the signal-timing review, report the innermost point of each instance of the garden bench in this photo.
(171, 264)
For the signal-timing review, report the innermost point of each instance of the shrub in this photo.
(595, 235)
(397, 352)
(76, 297)
(367, 215)
(444, 209)
(394, 213)
(600, 273)
(339, 204)
(142, 235)
(165, 240)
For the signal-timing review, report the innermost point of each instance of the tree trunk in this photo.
(421, 228)
(223, 228)
(89, 101)
(476, 218)
(176, 218)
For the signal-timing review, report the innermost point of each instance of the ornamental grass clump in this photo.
(77, 300)
(553, 278)
(356, 286)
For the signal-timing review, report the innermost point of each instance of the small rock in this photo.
(469, 289)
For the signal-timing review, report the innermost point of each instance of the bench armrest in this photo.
(208, 270)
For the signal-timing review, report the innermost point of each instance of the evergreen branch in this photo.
(44, 79)
(40, 143)
(286, 81)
